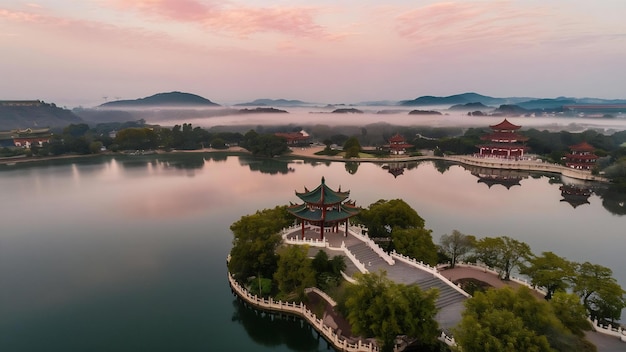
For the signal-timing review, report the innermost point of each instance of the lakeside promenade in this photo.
(492, 163)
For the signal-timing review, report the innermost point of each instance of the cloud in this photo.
(241, 21)
(453, 22)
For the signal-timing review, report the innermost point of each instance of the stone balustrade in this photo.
(357, 232)
(299, 309)
(618, 332)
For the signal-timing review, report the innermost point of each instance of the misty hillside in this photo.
(275, 102)
(460, 99)
(171, 99)
(35, 115)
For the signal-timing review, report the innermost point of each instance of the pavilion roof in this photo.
(339, 213)
(505, 125)
(396, 138)
(323, 195)
(582, 147)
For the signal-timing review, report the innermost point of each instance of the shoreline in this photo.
(309, 153)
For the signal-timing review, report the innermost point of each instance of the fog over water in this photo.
(397, 115)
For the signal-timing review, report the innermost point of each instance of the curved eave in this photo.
(330, 197)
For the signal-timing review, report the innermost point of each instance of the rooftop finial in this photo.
(323, 180)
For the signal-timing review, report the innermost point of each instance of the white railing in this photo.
(430, 269)
(609, 330)
(376, 248)
(321, 294)
(301, 310)
(351, 256)
(519, 280)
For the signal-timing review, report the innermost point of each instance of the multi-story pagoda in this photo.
(397, 145)
(324, 208)
(581, 157)
(503, 141)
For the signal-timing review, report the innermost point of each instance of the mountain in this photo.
(171, 99)
(546, 104)
(469, 107)
(460, 99)
(275, 102)
(23, 114)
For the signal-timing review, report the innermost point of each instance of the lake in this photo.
(129, 253)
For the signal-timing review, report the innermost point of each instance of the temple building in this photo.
(294, 138)
(581, 157)
(26, 138)
(324, 207)
(397, 145)
(503, 141)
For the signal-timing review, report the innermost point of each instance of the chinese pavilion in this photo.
(397, 144)
(294, 138)
(504, 141)
(581, 157)
(324, 208)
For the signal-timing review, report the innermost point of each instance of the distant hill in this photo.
(424, 112)
(457, 99)
(260, 110)
(34, 114)
(469, 107)
(546, 104)
(347, 111)
(171, 99)
(275, 102)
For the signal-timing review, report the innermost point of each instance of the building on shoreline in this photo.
(397, 145)
(581, 157)
(25, 138)
(323, 207)
(503, 141)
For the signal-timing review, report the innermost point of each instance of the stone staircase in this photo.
(449, 301)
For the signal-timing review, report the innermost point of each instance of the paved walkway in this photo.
(450, 304)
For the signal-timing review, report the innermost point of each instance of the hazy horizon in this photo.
(92, 51)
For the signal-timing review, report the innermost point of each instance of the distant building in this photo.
(20, 103)
(503, 141)
(581, 157)
(26, 138)
(294, 138)
(397, 145)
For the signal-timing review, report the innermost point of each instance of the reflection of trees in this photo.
(352, 167)
(273, 330)
(442, 166)
(614, 202)
(266, 166)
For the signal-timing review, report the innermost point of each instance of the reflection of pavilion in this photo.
(575, 195)
(490, 177)
(396, 169)
(323, 207)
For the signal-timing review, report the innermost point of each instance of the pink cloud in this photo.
(449, 23)
(242, 21)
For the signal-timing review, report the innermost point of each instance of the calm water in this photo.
(128, 254)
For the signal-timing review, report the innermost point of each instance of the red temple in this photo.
(504, 141)
(581, 157)
(324, 207)
(398, 145)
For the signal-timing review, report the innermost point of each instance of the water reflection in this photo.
(575, 195)
(352, 167)
(491, 177)
(266, 166)
(273, 330)
(395, 169)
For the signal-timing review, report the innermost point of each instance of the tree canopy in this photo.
(416, 243)
(256, 238)
(295, 271)
(503, 253)
(376, 306)
(456, 245)
(502, 320)
(382, 216)
(601, 294)
(549, 271)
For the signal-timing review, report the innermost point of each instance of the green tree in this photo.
(549, 271)
(295, 271)
(508, 320)
(602, 296)
(389, 214)
(570, 312)
(352, 148)
(256, 238)
(378, 307)
(416, 243)
(503, 253)
(457, 245)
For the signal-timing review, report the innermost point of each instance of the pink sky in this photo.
(78, 52)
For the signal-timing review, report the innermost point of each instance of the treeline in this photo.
(494, 319)
(132, 136)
